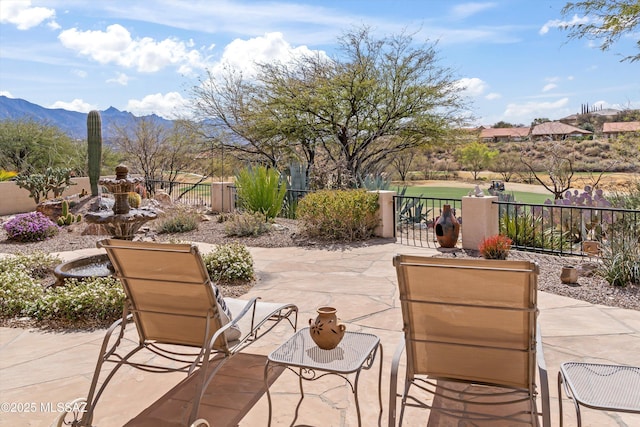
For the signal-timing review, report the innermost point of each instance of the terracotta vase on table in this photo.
(325, 329)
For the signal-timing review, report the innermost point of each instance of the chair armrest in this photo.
(248, 307)
(250, 304)
(393, 386)
(544, 380)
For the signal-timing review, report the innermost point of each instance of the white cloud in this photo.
(549, 86)
(121, 79)
(493, 95)
(75, 105)
(529, 110)
(472, 86)
(315, 23)
(23, 15)
(465, 10)
(570, 78)
(558, 23)
(53, 25)
(147, 55)
(6, 93)
(80, 73)
(170, 106)
(272, 47)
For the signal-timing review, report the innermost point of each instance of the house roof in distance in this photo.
(557, 128)
(519, 132)
(621, 127)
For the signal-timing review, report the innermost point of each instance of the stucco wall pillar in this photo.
(479, 220)
(386, 213)
(222, 197)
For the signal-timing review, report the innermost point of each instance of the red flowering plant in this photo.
(495, 247)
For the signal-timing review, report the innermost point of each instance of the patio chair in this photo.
(471, 340)
(179, 315)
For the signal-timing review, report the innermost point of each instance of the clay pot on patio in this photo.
(325, 329)
(447, 228)
(569, 275)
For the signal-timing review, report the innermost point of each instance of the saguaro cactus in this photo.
(94, 140)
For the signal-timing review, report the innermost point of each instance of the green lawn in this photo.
(458, 193)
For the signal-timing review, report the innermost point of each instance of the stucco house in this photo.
(504, 134)
(556, 131)
(614, 129)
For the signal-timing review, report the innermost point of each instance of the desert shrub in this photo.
(628, 197)
(19, 281)
(261, 190)
(230, 262)
(180, 220)
(37, 265)
(495, 247)
(224, 217)
(246, 224)
(18, 291)
(621, 257)
(525, 229)
(593, 151)
(339, 215)
(30, 227)
(96, 301)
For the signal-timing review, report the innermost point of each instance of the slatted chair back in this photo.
(168, 290)
(469, 320)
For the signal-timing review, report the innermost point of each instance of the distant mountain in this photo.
(72, 123)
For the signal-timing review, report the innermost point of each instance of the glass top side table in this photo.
(356, 351)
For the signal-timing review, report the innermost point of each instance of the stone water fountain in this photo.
(122, 222)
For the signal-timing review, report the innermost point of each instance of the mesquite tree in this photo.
(379, 97)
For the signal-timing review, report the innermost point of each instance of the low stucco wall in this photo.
(15, 200)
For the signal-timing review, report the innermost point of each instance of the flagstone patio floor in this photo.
(40, 369)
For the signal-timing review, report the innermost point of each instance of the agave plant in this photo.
(412, 209)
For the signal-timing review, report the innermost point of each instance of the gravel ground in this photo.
(590, 287)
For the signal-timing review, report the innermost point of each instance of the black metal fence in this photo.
(557, 229)
(415, 218)
(567, 230)
(189, 194)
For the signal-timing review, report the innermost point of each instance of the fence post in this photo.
(479, 220)
(386, 212)
(221, 197)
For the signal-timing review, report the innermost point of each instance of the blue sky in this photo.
(144, 56)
